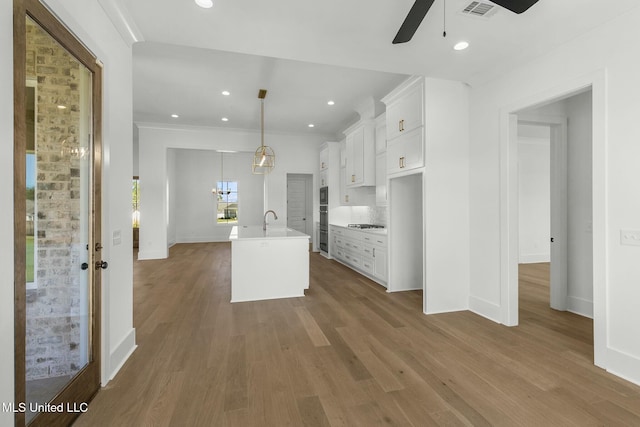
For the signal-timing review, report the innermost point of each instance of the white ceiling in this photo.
(187, 77)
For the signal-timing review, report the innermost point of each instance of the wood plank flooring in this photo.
(348, 354)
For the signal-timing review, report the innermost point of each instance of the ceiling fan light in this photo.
(206, 4)
(461, 45)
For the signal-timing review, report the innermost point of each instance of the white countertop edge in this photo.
(255, 232)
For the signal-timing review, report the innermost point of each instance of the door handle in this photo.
(101, 265)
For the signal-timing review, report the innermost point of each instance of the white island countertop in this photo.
(245, 232)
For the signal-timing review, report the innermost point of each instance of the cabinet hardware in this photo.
(401, 161)
(353, 178)
(374, 252)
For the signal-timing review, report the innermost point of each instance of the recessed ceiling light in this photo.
(311, 125)
(224, 119)
(175, 116)
(62, 107)
(205, 3)
(461, 45)
(330, 103)
(226, 93)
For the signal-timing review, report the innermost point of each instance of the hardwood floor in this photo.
(347, 354)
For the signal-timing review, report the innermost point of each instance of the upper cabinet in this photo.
(359, 156)
(405, 110)
(405, 126)
(381, 134)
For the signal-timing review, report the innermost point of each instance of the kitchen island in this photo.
(268, 264)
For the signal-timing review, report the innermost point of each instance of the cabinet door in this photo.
(381, 138)
(406, 114)
(323, 178)
(406, 152)
(324, 159)
(355, 158)
(381, 179)
(380, 262)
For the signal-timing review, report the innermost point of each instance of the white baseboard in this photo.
(119, 356)
(534, 258)
(623, 365)
(580, 306)
(142, 255)
(485, 308)
(203, 239)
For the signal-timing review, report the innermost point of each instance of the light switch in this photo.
(630, 237)
(117, 237)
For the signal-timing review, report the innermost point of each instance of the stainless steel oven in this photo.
(324, 195)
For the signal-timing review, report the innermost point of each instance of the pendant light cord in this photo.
(444, 19)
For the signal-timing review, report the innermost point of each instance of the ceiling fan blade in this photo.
(517, 6)
(412, 21)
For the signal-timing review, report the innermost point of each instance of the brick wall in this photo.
(53, 308)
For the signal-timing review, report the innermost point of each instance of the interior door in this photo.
(558, 274)
(57, 219)
(297, 204)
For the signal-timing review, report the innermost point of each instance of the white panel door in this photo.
(296, 204)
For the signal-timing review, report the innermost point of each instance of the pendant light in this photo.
(264, 159)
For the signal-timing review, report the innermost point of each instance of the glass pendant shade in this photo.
(264, 158)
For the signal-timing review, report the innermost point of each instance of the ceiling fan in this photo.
(421, 7)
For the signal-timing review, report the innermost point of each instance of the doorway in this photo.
(593, 227)
(555, 198)
(57, 219)
(300, 202)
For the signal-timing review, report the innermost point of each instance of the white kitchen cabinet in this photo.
(406, 153)
(381, 134)
(324, 158)
(324, 178)
(361, 250)
(405, 110)
(405, 127)
(381, 179)
(360, 154)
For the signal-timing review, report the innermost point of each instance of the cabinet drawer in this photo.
(354, 260)
(367, 265)
(367, 251)
(353, 245)
(406, 152)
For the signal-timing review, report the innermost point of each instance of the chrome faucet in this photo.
(264, 223)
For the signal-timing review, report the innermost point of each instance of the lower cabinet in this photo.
(363, 251)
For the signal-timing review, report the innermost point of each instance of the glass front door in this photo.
(62, 267)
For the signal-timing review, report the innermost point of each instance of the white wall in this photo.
(446, 195)
(197, 172)
(88, 21)
(616, 108)
(534, 180)
(173, 201)
(6, 209)
(294, 154)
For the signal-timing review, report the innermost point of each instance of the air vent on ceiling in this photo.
(481, 9)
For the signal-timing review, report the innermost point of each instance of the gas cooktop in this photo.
(365, 226)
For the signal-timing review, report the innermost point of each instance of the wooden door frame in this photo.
(41, 15)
